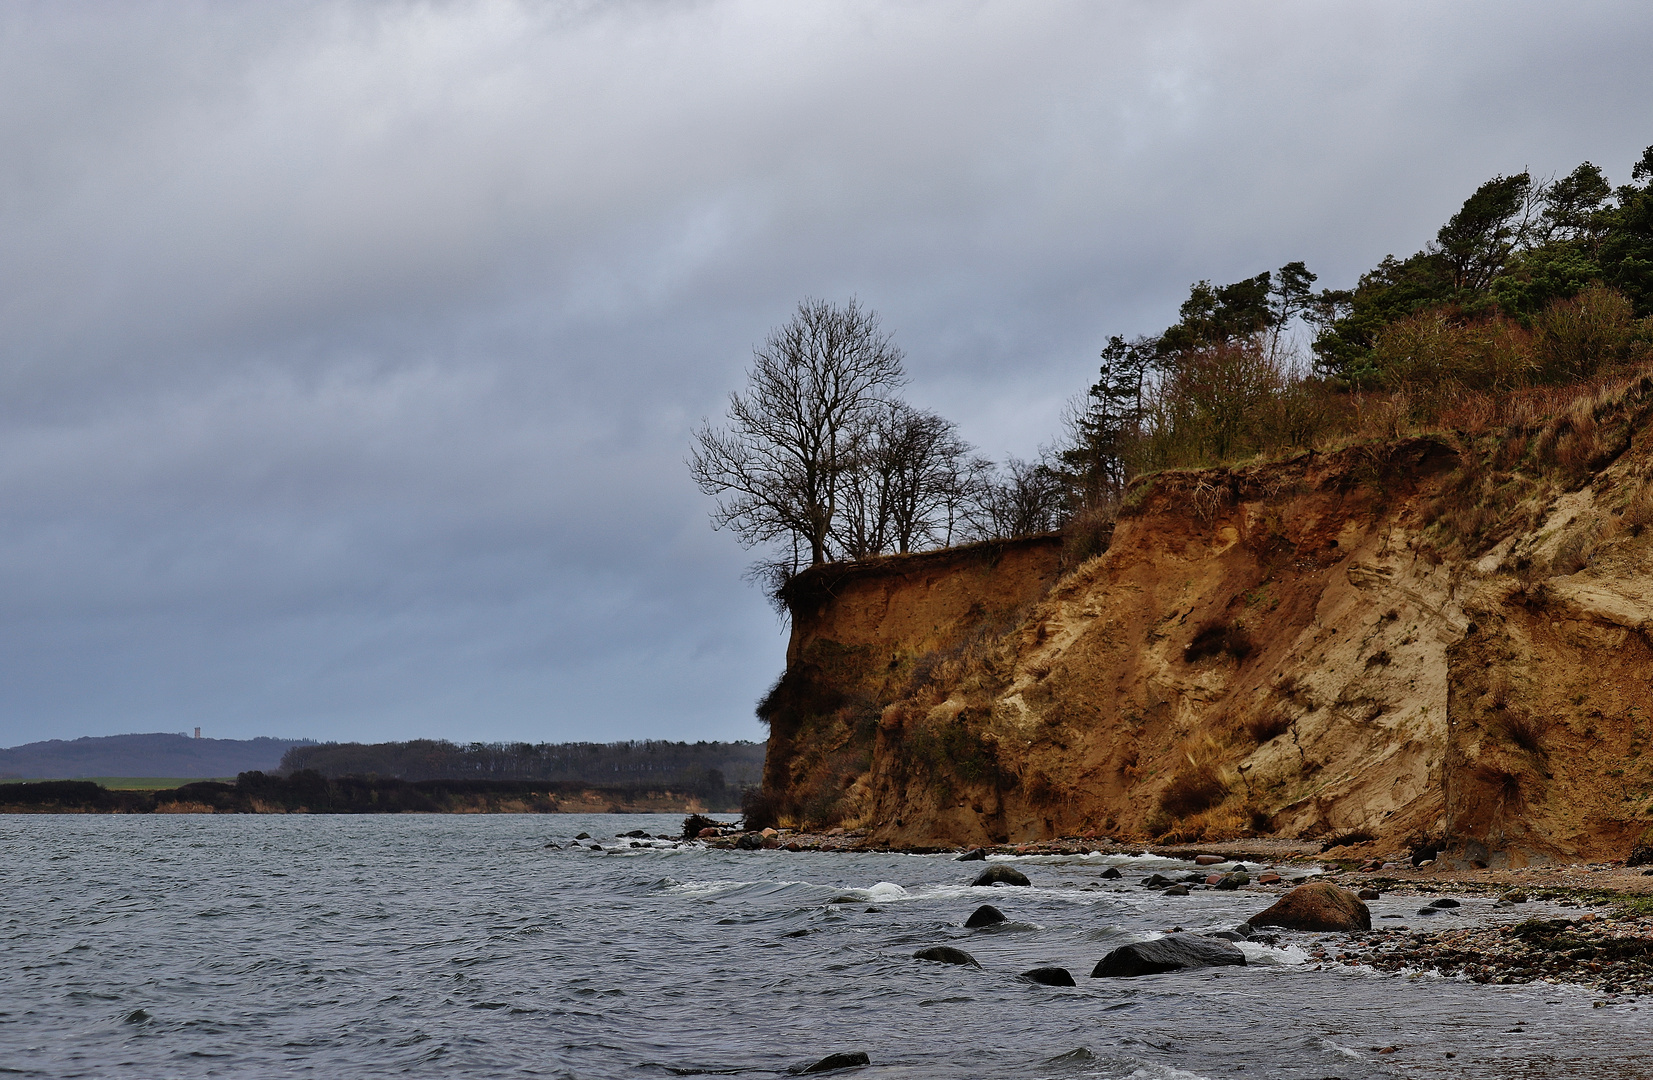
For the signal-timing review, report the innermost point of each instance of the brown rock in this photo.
(1318, 905)
(1369, 894)
(1269, 878)
(708, 834)
(1207, 860)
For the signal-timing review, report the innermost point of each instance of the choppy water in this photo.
(461, 946)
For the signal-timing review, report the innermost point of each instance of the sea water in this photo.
(463, 946)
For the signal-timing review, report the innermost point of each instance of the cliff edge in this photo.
(1435, 642)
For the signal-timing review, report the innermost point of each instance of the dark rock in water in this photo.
(1445, 902)
(1176, 952)
(1515, 897)
(694, 825)
(595, 847)
(1319, 905)
(946, 954)
(1112, 874)
(1195, 879)
(1369, 894)
(797, 933)
(1234, 881)
(1176, 890)
(554, 844)
(873, 910)
(973, 855)
(845, 900)
(583, 836)
(1157, 881)
(137, 1016)
(1080, 1054)
(634, 834)
(833, 1062)
(1001, 875)
(1050, 976)
(1227, 935)
(750, 842)
(986, 915)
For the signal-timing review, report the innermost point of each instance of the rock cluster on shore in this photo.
(1614, 955)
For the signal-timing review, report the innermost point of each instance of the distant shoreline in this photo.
(308, 793)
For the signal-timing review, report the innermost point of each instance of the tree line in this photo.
(711, 765)
(1532, 282)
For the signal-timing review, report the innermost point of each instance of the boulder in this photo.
(750, 842)
(1369, 894)
(1319, 905)
(1516, 897)
(1175, 952)
(946, 954)
(1112, 873)
(1176, 890)
(973, 855)
(833, 1062)
(1207, 860)
(1268, 878)
(986, 915)
(1050, 976)
(1444, 902)
(1001, 875)
(1234, 881)
(1157, 881)
(709, 834)
(583, 836)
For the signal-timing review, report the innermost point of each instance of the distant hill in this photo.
(143, 755)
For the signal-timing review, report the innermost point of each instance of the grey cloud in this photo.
(349, 353)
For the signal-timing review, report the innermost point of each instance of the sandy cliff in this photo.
(1426, 640)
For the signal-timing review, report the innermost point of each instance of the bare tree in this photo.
(1024, 500)
(906, 485)
(778, 469)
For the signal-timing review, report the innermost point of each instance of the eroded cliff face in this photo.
(1435, 639)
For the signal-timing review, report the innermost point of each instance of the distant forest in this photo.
(652, 763)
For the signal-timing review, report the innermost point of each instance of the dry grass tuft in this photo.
(1197, 787)
(1520, 729)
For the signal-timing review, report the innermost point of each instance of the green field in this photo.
(129, 783)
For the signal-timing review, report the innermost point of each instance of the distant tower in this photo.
(197, 733)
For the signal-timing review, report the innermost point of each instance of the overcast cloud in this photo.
(349, 354)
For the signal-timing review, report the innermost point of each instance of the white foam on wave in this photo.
(1162, 1072)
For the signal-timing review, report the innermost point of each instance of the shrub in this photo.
(1347, 839)
(1268, 725)
(759, 809)
(1216, 639)
(1195, 788)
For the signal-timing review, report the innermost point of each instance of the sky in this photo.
(350, 353)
